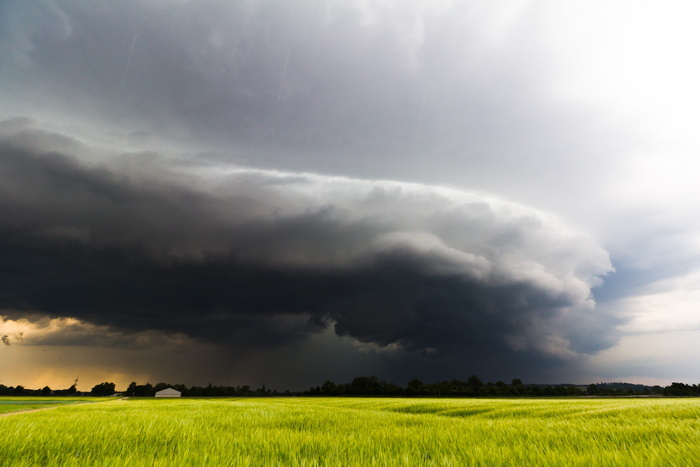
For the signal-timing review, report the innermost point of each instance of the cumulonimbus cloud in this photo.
(254, 257)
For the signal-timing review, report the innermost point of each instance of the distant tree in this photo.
(145, 390)
(415, 386)
(103, 389)
(135, 390)
(19, 389)
(593, 390)
(474, 381)
(678, 389)
(72, 390)
(362, 385)
(131, 390)
(46, 391)
(475, 385)
(196, 391)
(329, 388)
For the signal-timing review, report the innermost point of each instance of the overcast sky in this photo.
(249, 192)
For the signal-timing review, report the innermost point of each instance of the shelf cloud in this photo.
(246, 257)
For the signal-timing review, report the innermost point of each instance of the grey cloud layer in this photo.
(302, 84)
(253, 257)
(438, 92)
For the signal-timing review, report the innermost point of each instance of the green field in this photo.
(355, 431)
(22, 404)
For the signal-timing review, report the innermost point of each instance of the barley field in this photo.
(23, 404)
(356, 432)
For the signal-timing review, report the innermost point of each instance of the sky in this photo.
(283, 193)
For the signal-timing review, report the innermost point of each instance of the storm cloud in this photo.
(246, 257)
(334, 188)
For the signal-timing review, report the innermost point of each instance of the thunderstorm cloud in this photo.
(293, 191)
(238, 256)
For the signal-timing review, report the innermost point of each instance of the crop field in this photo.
(23, 404)
(357, 431)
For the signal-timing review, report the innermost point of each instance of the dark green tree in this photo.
(329, 388)
(135, 390)
(365, 385)
(131, 390)
(102, 389)
(415, 386)
(475, 385)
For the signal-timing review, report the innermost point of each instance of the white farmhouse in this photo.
(168, 392)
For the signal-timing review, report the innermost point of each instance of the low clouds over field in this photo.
(243, 257)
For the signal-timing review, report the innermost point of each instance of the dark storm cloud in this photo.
(250, 257)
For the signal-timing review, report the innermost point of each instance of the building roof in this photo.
(169, 391)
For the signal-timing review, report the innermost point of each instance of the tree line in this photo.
(372, 386)
(474, 387)
(20, 390)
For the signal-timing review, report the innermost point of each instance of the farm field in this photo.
(357, 431)
(23, 404)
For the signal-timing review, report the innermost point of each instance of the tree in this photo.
(329, 388)
(46, 391)
(102, 389)
(144, 390)
(135, 390)
(415, 386)
(131, 390)
(475, 384)
(365, 385)
(678, 389)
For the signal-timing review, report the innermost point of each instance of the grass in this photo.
(22, 404)
(361, 432)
